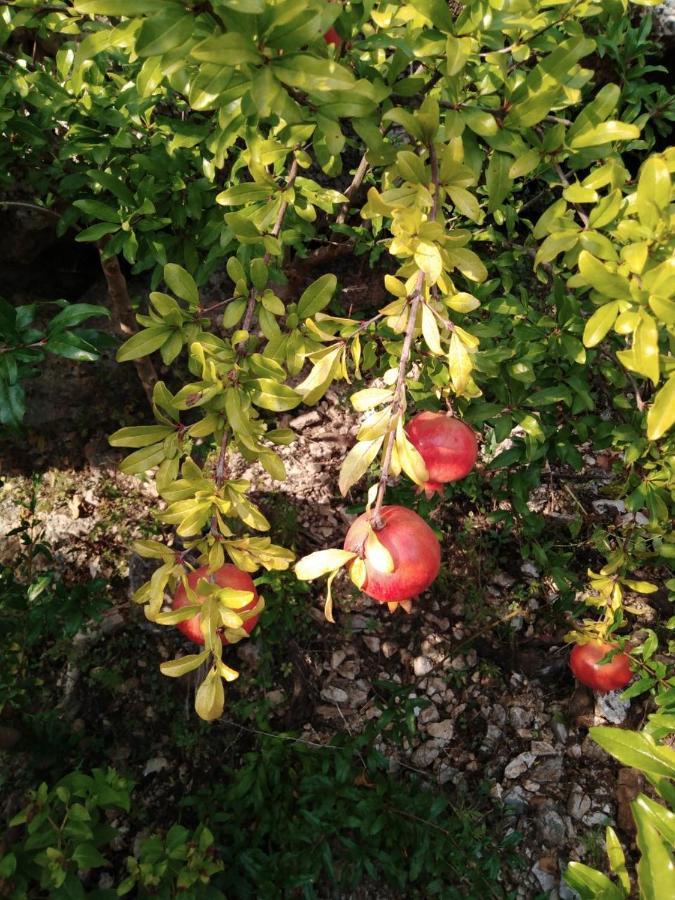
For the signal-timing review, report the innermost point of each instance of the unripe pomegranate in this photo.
(228, 576)
(412, 545)
(447, 445)
(332, 37)
(584, 662)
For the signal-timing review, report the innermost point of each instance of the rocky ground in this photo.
(482, 658)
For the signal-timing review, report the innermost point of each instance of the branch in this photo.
(33, 206)
(357, 181)
(399, 391)
(565, 181)
(276, 231)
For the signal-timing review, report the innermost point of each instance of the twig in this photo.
(221, 464)
(399, 390)
(357, 181)
(276, 231)
(34, 206)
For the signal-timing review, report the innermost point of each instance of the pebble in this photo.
(550, 770)
(519, 765)
(350, 669)
(334, 694)
(444, 730)
(426, 754)
(422, 665)
(551, 828)
(559, 731)
(542, 748)
(516, 799)
(429, 714)
(309, 418)
(519, 717)
(389, 648)
(337, 658)
(578, 802)
(611, 708)
(372, 643)
(546, 881)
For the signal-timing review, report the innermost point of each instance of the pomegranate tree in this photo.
(228, 576)
(447, 445)
(587, 668)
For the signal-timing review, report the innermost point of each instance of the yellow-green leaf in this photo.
(357, 462)
(174, 668)
(600, 323)
(661, 415)
(321, 563)
(210, 697)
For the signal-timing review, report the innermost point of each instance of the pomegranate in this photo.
(584, 662)
(332, 37)
(414, 550)
(447, 445)
(228, 576)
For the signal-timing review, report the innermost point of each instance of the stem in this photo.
(33, 206)
(357, 181)
(276, 231)
(122, 314)
(399, 390)
(221, 464)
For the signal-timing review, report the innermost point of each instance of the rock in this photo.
(604, 506)
(516, 800)
(276, 698)
(429, 714)
(542, 748)
(350, 668)
(530, 570)
(444, 730)
(471, 658)
(334, 694)
(389, 648)
(519, 717)
(249, 653)
(546, 881)
(309, 418)
(578, 802)
(422, 665)
(156, 764)
(519, 765)
(426, 754)
(611, 708)
(357, 622)
(551, 828)
(550, 770)
(337, 658)
(559, 730)
(372, 643)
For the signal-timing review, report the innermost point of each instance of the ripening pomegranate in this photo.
(332, 37)
(584, 662)
(447, 445)
(228, 576)
(414, 550)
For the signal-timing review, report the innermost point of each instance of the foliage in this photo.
(65, 833)
(24, 343)
(655, 824)
(524, 208)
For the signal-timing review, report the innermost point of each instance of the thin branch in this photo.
(357, 181)
(399, 390)
(276, 231)
(33, 206)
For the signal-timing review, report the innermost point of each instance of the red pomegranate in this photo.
(584, 662)
(414, 550)
(332, 37)
(448, 447)
(228, 576)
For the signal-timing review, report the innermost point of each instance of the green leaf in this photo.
(661, 818)
(661, 415)
(654, 187)
(606, 282)
(98, 210)
(600, 323)
(617, 859)
(308, 73)
(229, 49)
(549, 395)
(146, 458)
(605, 134)
(245, 194)
(498, 179)
(120, 7)
(181, 283)
(636, 750)
(591, 884)
(139, 435)
(556, 243)
(162, 33)
(321, 563)
(143, 343)
(86, 856)
(317, 296)
(656, 868)
(75, 313)
(96, 232)
(269, 394)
